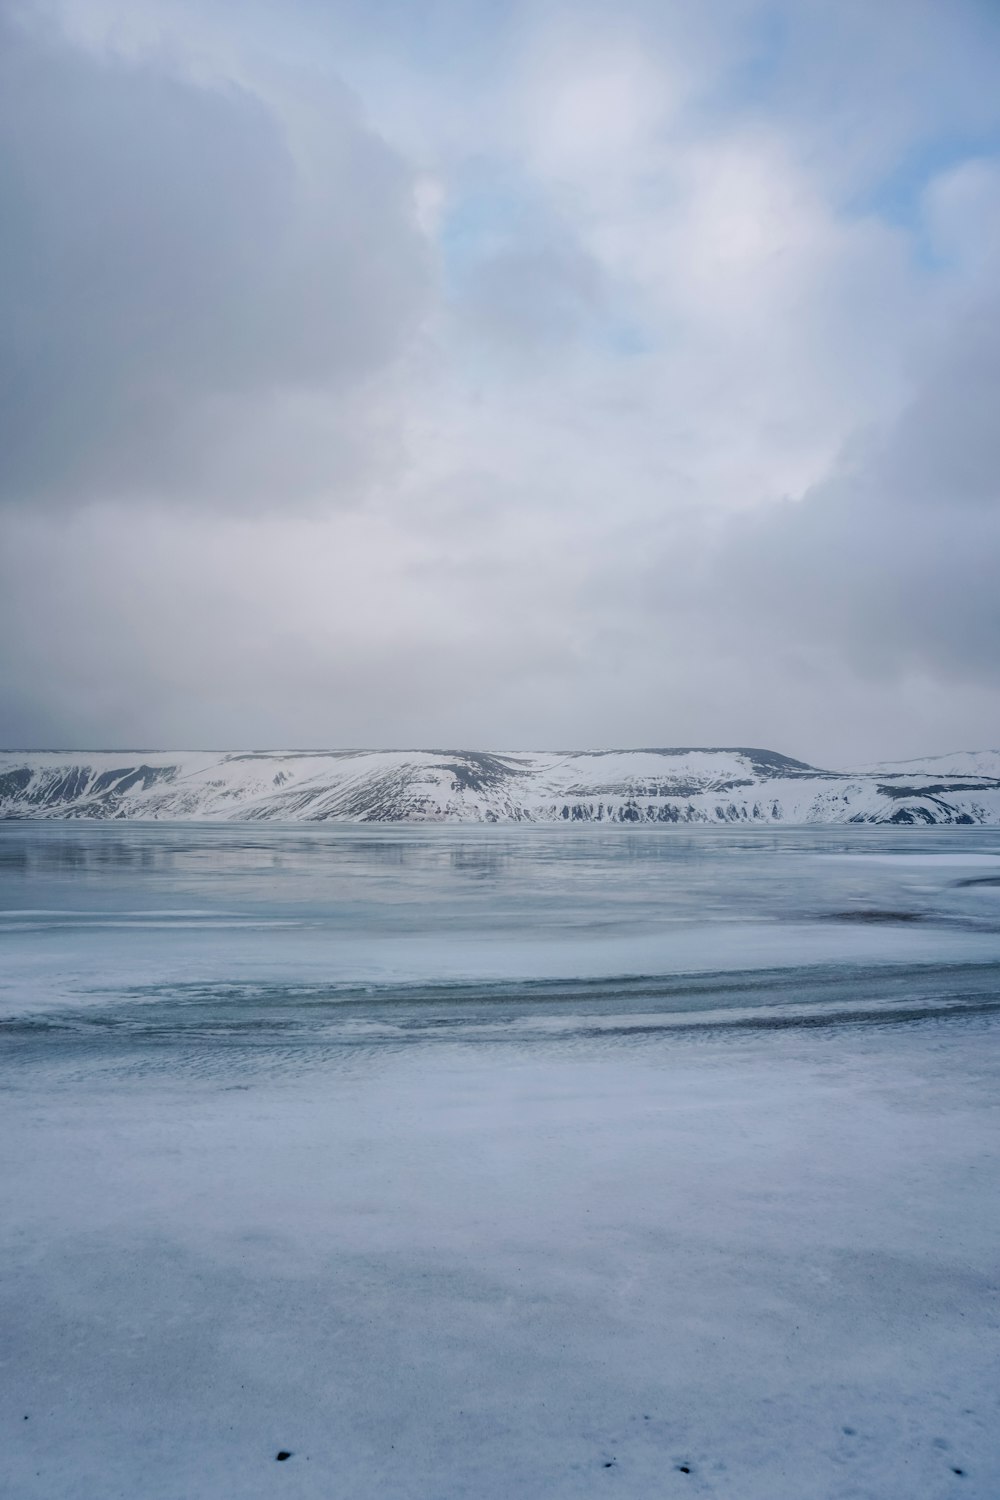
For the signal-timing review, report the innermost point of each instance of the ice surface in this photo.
(477, 1163)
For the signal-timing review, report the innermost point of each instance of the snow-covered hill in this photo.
(975, 763)
(621, 786)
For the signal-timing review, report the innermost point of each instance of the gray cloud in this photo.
(536, 293)
(171, 266)
(895, 560)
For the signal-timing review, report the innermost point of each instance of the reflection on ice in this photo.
(89, 914)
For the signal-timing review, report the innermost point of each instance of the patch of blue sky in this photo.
(500, 214)
(616, 333)
(900, 196)
(455, 37)
(492, 211)
(759, 70)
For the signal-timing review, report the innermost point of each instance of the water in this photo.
(482, 1161)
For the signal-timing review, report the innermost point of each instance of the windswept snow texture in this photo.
(464, 786)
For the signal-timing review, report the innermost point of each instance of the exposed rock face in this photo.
(617, 786)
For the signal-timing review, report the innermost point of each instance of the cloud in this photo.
(182, 281)
(541, 375)
(893, 560)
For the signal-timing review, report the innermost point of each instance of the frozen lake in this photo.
(463, 1161)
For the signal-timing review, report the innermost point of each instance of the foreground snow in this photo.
(660, 786)
(751, 1267)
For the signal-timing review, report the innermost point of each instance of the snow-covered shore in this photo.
(746, 1266)
(627, 786)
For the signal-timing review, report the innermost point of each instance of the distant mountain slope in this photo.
(984, 763)
(618, 786)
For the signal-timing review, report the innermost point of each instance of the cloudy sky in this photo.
(501, 373)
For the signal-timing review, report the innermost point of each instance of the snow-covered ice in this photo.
(499, 1162)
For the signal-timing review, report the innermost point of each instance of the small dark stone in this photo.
(684, 1468)
(958, 1471)
(609, 1463)
(282, 1455)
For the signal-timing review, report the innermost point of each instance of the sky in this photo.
(511, 375)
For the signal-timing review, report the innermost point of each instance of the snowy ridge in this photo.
(982, 763)
(618, 786)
